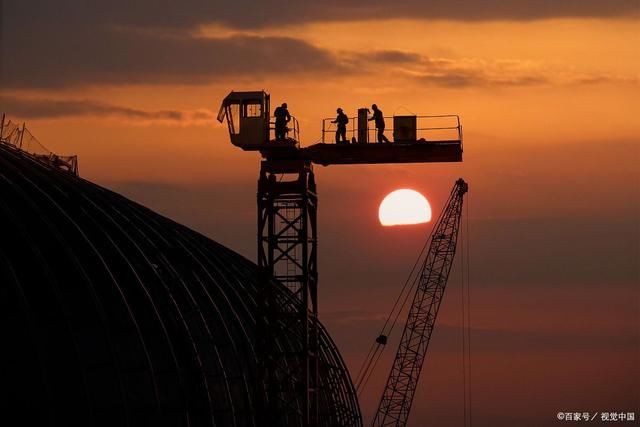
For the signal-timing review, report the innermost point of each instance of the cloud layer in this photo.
(252, 14)
(29, 108)
(74, 43)
(134, 57)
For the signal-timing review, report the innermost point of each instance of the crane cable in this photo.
(468, 234)
(377, 347)
(466, 322)
(375, 351)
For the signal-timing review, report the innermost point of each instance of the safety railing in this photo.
(439, 128)
(292, 131)
(20, 138)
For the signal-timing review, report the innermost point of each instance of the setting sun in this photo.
(404, 206)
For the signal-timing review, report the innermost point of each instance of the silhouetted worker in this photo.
(341, 133)
(379, 119)
(282, 118)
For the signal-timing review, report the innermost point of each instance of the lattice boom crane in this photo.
(399, 391)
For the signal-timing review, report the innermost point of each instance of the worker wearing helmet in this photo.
(379, 119)
(341, 121)
(282, 118)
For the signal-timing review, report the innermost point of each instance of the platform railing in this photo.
(436, 128)
(293, 130)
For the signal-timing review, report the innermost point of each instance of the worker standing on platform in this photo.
(341, 121)
(379, 119)
(282, 119)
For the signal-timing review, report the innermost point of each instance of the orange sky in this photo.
(550, 114)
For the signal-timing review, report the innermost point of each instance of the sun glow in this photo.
(404, 206)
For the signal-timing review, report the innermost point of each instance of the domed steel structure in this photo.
(114, 315)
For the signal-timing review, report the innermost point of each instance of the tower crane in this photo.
(287, 239)
(400, 388)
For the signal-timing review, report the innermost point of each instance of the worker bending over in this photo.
(282, 119)
(341, 121)
(379, 119)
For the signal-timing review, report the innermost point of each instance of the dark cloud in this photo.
(451, 72)
(73, 43)
(466, 72)
(55, 109)
(124, 56)
(257, 14)
(476, 72)
(459, 78)
(393, 56)
(69, 43)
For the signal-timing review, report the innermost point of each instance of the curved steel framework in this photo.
(114, 315)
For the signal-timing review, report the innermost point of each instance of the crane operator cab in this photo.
(248, 118)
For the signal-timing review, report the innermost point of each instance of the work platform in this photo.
(414, 138)
(371, 153)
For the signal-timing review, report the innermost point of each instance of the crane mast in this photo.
(400, 388)
(290, 380)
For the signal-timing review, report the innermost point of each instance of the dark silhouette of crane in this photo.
(287, 239)
(400, 388)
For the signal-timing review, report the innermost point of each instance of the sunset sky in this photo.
(549, 96)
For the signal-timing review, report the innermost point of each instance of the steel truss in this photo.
(287, 252)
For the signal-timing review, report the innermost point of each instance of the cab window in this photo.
(252, 109)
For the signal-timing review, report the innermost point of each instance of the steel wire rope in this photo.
(465, 292)
(464, 331)
(368, 365)
(468, 259)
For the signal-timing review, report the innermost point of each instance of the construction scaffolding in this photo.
(20, 138)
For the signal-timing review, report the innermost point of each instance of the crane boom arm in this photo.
(400, 388)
